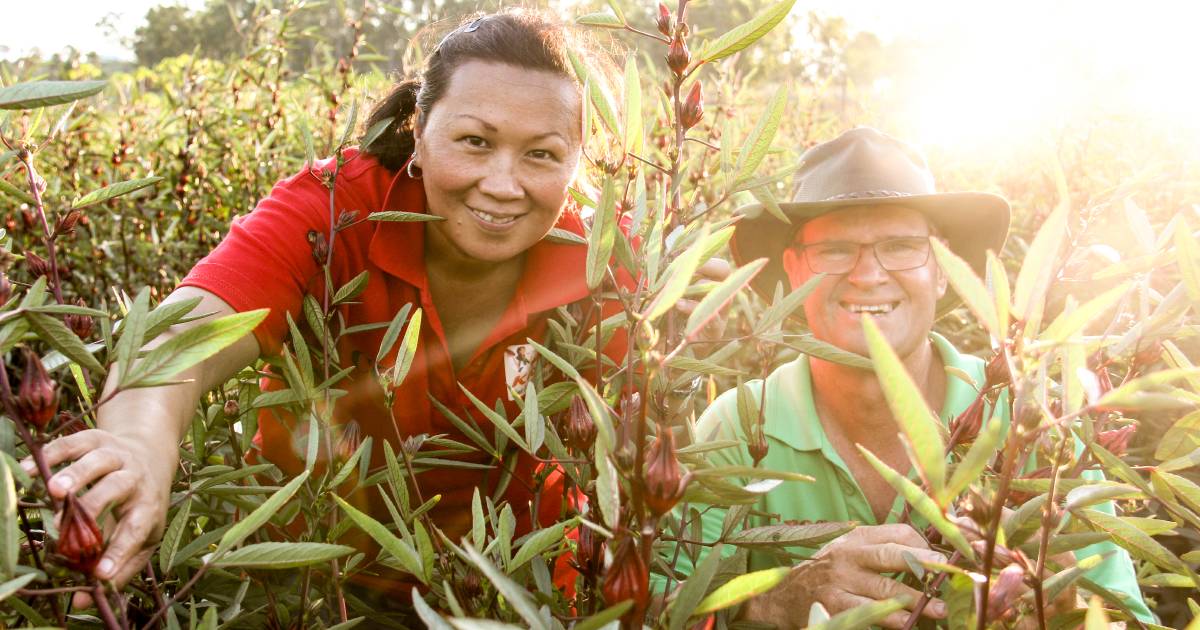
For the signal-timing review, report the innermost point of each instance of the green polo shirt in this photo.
(797, 443)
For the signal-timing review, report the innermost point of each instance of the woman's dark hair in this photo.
(518, 37)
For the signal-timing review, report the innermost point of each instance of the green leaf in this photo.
(694, 588)
(348, 129)
(408, 349)
(608, 490)
(403, 217)
(968, 286)
(1182, 438)
(633, 107)
(749, 472)
(975, 461)
(375, 131)
(701, 366)
(1188, 253)
(133, 329)
(498, 420)
(10, 548)
(15, 584)
(351, 289)
(742, 588)
(259, 517)
(1087, 496)
(863, 616)
(535, 427)
(781, 308)
(743, 35)
(1070, 323)
(392, 333)
(37, 94)
(922, 503)
(564, 237)
(1134, 540)
(606, 617)
(810, 535)
(16, 193)
(54, 332)
(600, 19)
(190, 347)
(115, 190)
(919, 424)
(816, 348)
(681, 270)
(602, 234)
(721, 295)
(173, 536)
(997, 279)
(1182, 462)
(1096, 618)
(403, 552)
(282, 555)
(1130, 395)
(516, 596)
(759, 141)
(1034, 278)
(563, 366)
(539, 541)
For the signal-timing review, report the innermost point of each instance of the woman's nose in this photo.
(501, 179)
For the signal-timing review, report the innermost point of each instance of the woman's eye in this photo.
(475, 141)
(542, 154)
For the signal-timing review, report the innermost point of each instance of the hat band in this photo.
(868, 194)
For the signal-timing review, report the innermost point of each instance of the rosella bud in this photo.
(80, 324)
(589, 556)
(997, 371)
(320, 249)
(678, 56)
(692, 109)
(346, 218)
(66, 223)
(965, 426)
(1148, 355)
(350, 441)
(471, 585)
(231, 408)
(664, 483)
(758, 446)
(37, 396)
(579, 430)
(80, 542)
(627, 579)
(5, 288)
(1005, 590)
(664, 20)
(1116, 441)
(36, 265)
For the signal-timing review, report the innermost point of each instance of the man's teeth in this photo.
(874, 309)
(491, 218)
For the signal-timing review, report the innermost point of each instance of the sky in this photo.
(983, 70)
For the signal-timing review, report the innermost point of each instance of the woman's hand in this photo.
(129, 474)
(848, 572)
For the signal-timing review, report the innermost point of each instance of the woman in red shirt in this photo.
(487, 141)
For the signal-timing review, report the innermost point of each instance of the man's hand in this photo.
(848, 572)
(131, 475)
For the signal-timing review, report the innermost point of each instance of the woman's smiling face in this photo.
(497, 153)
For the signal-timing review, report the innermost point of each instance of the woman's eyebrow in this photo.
(490, 127)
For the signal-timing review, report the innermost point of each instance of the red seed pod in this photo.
(81, 325)
(758, 446)
(320, 249)
(589, 553)
(579, 430)
(80, 542)
(28, 218)
(692, 109)
(664, 20)
(1005, 590)
(965, 426)
(997, 371)
(663, 482)
(627, 579)
(1116, 441)
(471, 585)
(678, 56)
(37, 396)
(5, 288)
(36, 265)
(66, 223)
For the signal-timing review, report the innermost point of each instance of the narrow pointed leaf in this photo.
(746, 34)
(633, 107)
(968, 470)
(742, 588)
(37, 94)
(864, 616)
(1070, 323)
(759, 141)
(1034, 278)
(408, 349)
(498, 420)
(259, 517)
(9, 544)
(516, 596)
(403, 217)
(282, 555)
(602, 235)
(968, 286)
(918, 423)
(538, 542)
(399, 549)
(115, 190)
(677, 283)
(62, 339)
(566, 368)
(721, 295)
(1188, 253)
(351, 289)
(694, 588)
(601, 19)
(535, 427)
(192, 346)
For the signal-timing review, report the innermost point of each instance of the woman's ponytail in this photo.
(395, 145)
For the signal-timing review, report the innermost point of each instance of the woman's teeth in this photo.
(874, 309)
(491, 218)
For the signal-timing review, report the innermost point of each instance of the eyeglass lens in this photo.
(897, 254)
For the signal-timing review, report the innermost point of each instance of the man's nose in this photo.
(866, 270)
(502, 180)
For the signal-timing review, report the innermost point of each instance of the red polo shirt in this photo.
(266, 261)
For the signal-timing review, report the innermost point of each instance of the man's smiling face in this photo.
(903, 303)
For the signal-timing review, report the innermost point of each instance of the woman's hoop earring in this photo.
(412, 163)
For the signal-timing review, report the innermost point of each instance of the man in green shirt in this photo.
(866, 209)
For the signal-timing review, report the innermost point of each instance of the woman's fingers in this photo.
(890, 557)
(130, 543)
(113, 489)
(877, 587)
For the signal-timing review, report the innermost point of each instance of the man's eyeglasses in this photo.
(894, 254)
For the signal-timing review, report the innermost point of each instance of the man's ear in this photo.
(942, 281)
(794, 267)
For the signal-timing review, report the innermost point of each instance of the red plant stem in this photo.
(989, 551)
(40, 592)
(1044, 543)
(100, 596)
(161, 612)
(47, 236)
(926, 597)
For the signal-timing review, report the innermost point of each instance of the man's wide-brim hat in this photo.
(865, 167)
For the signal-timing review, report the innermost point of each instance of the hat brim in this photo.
(970, 222)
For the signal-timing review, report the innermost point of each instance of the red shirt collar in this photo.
(555, 273)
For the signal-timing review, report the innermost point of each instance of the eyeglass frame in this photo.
(801, 247)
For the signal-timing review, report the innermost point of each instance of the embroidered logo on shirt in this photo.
(518, 364)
